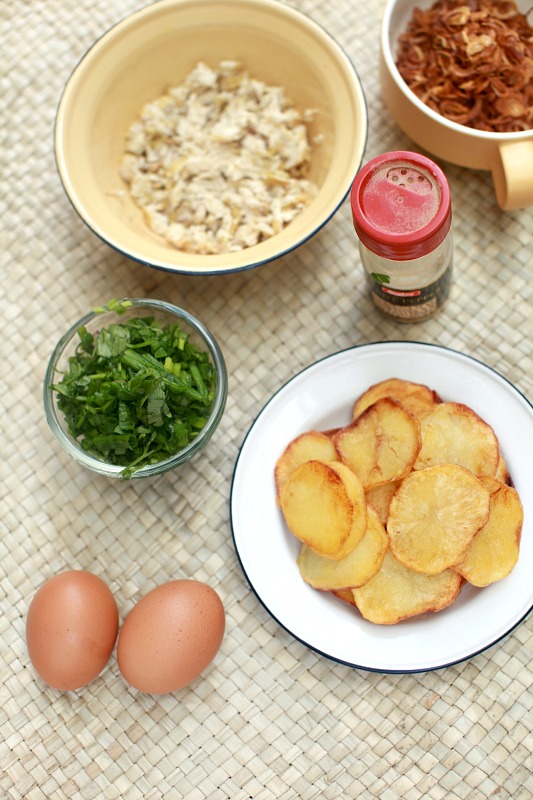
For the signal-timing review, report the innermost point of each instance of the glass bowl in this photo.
(96, 321)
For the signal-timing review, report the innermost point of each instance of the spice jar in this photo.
(401, 211)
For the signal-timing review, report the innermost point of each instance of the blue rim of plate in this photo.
(276, 618)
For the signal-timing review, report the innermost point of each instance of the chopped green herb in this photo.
(137, 392)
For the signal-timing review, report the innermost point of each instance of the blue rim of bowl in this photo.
(206, 271)
(151, 470)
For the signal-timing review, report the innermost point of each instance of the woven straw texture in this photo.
(270, 718)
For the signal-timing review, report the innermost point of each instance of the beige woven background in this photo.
(269, 719)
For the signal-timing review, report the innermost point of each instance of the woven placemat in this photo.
(270, 718)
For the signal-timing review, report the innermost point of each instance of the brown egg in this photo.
(170, 636)
(71, 629)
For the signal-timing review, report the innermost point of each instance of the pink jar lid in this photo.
(401, 205)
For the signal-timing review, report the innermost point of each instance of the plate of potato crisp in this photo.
(382, 507)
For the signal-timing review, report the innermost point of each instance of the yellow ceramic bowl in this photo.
(141, 56)
(508, 156)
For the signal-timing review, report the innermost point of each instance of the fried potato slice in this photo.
(415, 397)
(355, 569)
(344, 594)
(382, 444)
(493, 552)
(454, 434)
(305, 447)
(380, 496)
(324, 506)
(434, 515)
(397, 592)
(502, 473)
(330, 432)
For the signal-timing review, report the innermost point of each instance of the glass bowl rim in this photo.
(181, 457)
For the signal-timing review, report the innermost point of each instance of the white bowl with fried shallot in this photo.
(458, 79)
(210, 136)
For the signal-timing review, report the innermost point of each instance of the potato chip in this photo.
(331, 432)
(379, 497)
(382, 444)
(454, 434)
(434, 515)
(305, 447)
(493, 553)
(355, 569)
(502, 473)
(344, 594)
(415, 488)
(415, 397)
(397, 592)
(324, 506)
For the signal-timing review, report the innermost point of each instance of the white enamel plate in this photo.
(322, 397)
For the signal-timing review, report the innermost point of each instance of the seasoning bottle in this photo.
(401, 211)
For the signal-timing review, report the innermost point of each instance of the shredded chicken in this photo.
(472, 62)
(218, 163)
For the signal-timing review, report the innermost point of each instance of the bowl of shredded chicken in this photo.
(213, 147)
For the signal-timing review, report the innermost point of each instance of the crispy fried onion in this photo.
(472, 62)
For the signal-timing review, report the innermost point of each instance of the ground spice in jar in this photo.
(401, 210)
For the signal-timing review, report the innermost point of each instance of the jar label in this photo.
(411, 305)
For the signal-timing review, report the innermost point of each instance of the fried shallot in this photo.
(472, 62)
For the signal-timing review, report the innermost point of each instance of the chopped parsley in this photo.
(136, 392)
